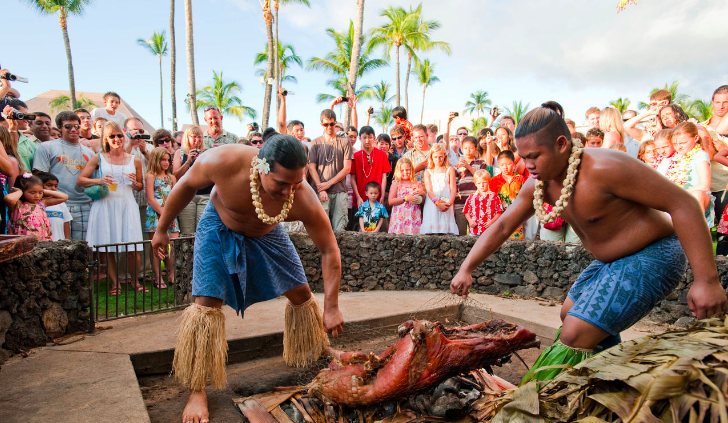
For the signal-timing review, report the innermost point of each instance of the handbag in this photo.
(97, 192)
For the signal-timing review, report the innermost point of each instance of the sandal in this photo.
(100, 276)
(141, 288)
(114, 292)
(160, 285)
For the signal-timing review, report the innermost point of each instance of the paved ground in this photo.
(94, 380)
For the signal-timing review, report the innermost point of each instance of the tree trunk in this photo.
(174, 65)
(191, 62)
(276, 65)
(406, 82)
(397, 79)
(161, 95)
(355, 53)
(268, 17)
(422, 114)
(71, 79)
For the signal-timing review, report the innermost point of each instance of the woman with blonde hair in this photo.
(440, 183)
(184, 158)
(610, 121)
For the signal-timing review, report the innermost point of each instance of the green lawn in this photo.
(123, 304)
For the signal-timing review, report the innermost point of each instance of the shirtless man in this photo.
(230, 223)
(639, 260)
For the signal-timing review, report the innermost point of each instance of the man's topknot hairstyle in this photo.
(284, 150)
(549, 116)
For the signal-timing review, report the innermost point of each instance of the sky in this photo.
(579, 53)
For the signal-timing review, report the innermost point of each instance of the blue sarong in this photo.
(242, 270)
(614, 296)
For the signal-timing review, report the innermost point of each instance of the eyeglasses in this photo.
(328, 125)
(164, 141)
(70, 126)
(463, 134)
(112, 136)
(256, 142)
(396, 138)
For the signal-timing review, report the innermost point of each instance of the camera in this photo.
(11, 77)
(255, 126)
(371, 110)
(455, 113)
(344, 99)
(285, 92)
(140, 137)
(16, 115)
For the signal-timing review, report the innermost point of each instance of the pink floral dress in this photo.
(407, 217)
(30, 219)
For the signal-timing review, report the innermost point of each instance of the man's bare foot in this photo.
(196, 409)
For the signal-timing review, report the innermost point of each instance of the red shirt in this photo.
(407, 125)
(366, 172)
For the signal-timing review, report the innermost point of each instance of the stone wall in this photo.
(524, 268)
(43, 295)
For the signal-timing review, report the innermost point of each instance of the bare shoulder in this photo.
(229, 156)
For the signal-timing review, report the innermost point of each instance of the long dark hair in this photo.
(26, 180)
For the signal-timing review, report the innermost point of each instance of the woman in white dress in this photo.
(115, 218)
(438, 216)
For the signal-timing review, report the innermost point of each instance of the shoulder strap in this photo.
(101, 175)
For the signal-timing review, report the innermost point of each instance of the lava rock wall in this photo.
(44, 295)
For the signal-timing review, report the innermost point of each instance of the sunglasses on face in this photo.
(463, 134)
(329, 125)
(70, 126)
(164, 141)
(396, 138)
(119, 136)
(256, 142)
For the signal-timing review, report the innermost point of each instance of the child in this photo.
(59, 216)
(466, 167)
(405, 197)
(619, 147)
(483, 207)
(371, 213)
(158, 183)
(507, 184)
(440, 182)
(27, 208)
(594, 138)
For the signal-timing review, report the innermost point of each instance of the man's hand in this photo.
(493, 114)
(352, 101)
(359, 202)
(451, 117)
(461, 283)
(280, 93)
(323, 196)
(12, 124)
(707, 299)
(160, 244)
(333, 321)
(323, 186)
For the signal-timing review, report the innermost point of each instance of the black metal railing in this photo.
(126, 281)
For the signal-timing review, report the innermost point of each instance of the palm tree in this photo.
(381, 93)
(63, 8)
(477, 124)
(424, 72)
(479, 101)
(621, 104)
(340, 86)
(338, 61)
(354, 63)
(285, 62)
(384, 118)
(700, 109)
(173, 65)
(157, 45)
(268, 18)
(394, 34)
(63, 102)
(224, 96)
(418, 40)
(191, 96)
(276, 64)
(518, 110)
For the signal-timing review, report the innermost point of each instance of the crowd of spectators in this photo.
(98, 176)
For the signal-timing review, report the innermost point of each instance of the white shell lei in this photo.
(566, 191)
(256, 167)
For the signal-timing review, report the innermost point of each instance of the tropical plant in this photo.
(677, 97)
(478, 102)
(63, 102)
(157, 45)
(621, 104)
(63, 8)
(354, 62)
(518, 110)
(381, 93)
(268, 18)
(340, 86)
(700, 109)
(623, 3)
(394, 35)
(419, 41)
(285, 62)
(425, 76)
(190, 47)
(278, 75)
(383, 118)
(338, 61)
(173, 65)
(477, 124)
(224, 96)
